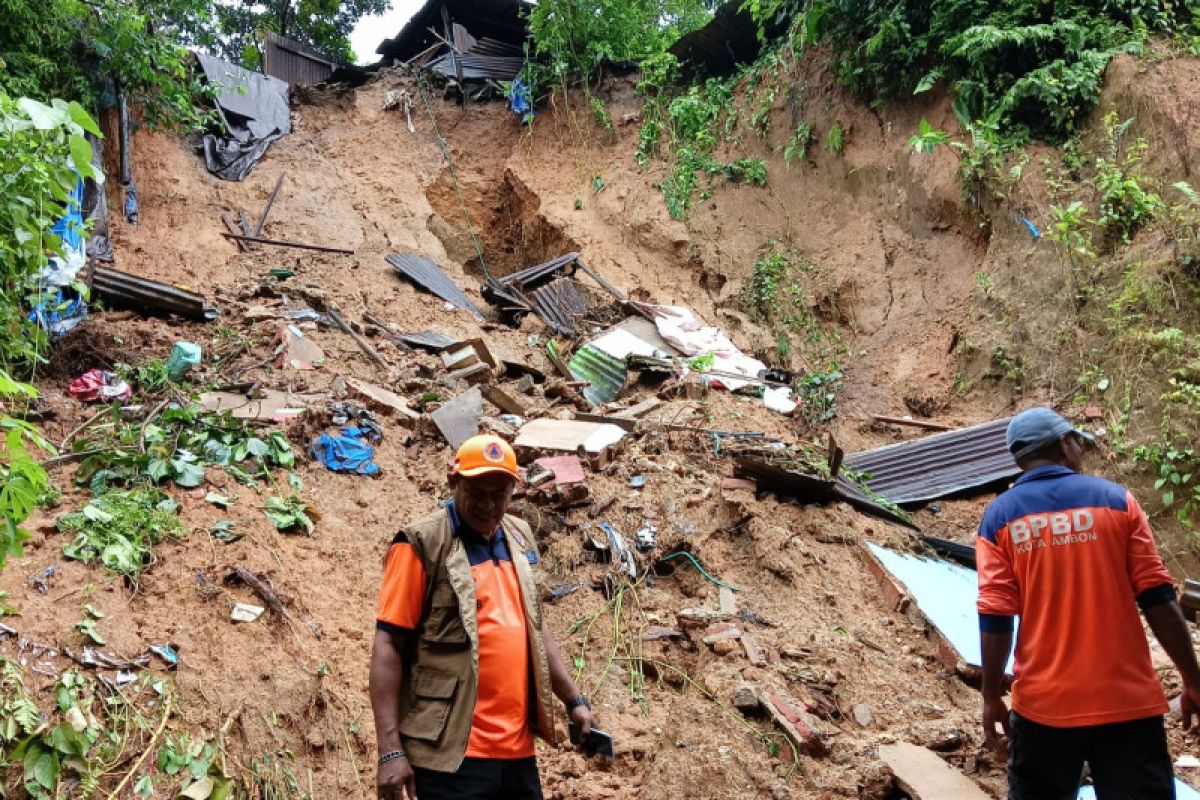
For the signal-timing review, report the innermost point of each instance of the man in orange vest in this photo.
(1074, 557)
(464, 670)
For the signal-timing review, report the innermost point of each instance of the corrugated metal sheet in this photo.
(429, 276)
(139, 294)
(502, 20)
(606, 373)
(939, 465)
(434, 341)
(476, 67)
(294, 62)
(560, 304)
(813, 488)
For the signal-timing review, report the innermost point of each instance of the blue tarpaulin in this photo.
(945, 593)
(1182, 792)
(520, 100)
(348, 452)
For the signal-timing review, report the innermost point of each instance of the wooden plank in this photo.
(639, 410)
(262, 219)
(620, 422)
(280, 243)
(227, 218)
(925, 776)
(912, 423)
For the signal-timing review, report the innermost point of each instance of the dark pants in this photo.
(1128, 760)
(482, 779)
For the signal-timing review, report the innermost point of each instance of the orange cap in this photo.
(482, 454)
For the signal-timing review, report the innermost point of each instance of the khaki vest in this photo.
(441, 658)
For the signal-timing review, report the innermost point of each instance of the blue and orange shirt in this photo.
(500, 724)
(1073, 556)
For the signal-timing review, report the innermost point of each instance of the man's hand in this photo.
(995, 712)
(1189, 707)
(582, 716)
(396, 781)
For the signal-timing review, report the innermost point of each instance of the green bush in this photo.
(1033, 67)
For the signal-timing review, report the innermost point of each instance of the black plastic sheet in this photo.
(255, 110)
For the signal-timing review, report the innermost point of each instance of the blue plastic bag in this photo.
(347, 452)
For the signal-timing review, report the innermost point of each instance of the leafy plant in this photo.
(23, 480)
(149, 377)
(927, 138)
(797, 146)
(88, 628)
(1125, 203)
(747, 170)
(1176, 468)
(120, 529)
(836, 139)
(290, 514)
(178, 445)
(818, 395)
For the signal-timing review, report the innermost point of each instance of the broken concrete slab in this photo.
(656, 633)
(745, 699)
(474, 374)
(296, 350)
(568, 435)
(925, 776)
(274, 405)
(566, 469)
(458, 420)
(728, 601)
(722, 631)
(383, 401)
(504, 401)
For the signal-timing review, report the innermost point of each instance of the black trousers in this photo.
(482, 779)
(1128, 760)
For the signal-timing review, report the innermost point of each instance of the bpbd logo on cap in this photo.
(493, 453)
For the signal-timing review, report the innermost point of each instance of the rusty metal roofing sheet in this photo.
(606, 373)
(473, 66)
(935, 466)
(294, 62)
(140, 294)
(503, 20)
(429, 276)
(814, 488)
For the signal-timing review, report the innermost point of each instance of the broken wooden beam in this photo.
(297, 245)
(925, 776)
(358, 340)
(262, 219)
(234, 230)
(912, 423)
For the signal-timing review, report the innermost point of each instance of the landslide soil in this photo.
(898, 252)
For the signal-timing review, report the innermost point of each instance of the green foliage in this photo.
(238, 26)
(120, 529)
(65, 48)
(573, 39)
(36, 177)
(797, 146)
(747, 170)
(1125, 203)
(769, 274)
(179, 444)
(1034, 68)
(818, 395)
(600, 114)
(147, 378)
(928, 138)
(23, 480)
(290, 514)
(1176, 468)
(836, 139)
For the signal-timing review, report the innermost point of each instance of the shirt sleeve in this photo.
(999, 593)
(1152, 582)
(402, 596)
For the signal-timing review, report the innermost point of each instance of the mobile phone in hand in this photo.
(597, 741)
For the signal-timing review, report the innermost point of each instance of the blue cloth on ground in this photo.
(520, 100)
(347, 452)
(59, 312)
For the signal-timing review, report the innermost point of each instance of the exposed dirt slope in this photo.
(897, 254)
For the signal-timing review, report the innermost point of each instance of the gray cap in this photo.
(1034, 428)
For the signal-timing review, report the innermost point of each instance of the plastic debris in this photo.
(348, 452)
(297, 350)
(98, 384)
(41, 581)
(646, 537)
(244, 612)
(167, 653)
(779, 398)
(637, 481)
(512, 419)
(184, 356)
(1032, 228)
(59, 313)
(520, 100)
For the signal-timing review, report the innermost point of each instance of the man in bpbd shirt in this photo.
(464, 669)
(1074, 557)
